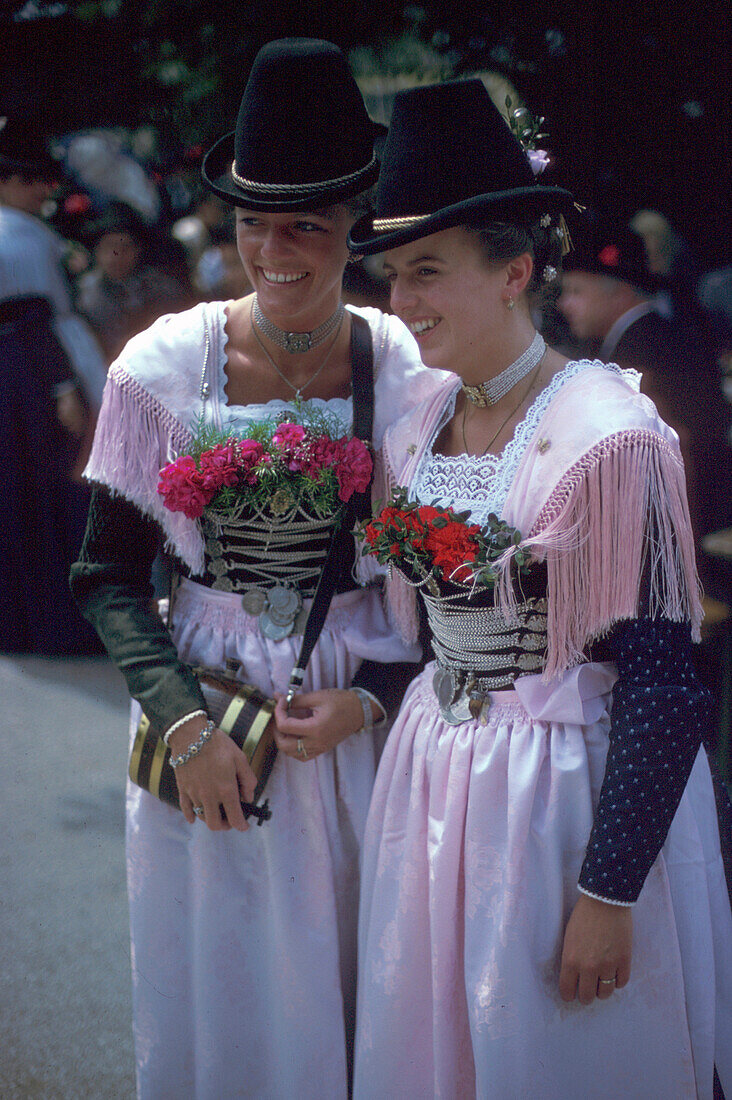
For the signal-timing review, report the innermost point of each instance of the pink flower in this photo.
(220, 466)
(609, 256)
(250, 454)
(287, 436)
(354, 469)
(320, 453)
(539, 160)
(181, 487)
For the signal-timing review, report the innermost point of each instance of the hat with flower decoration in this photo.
(303, 139)
(450, 159)
(607, 247)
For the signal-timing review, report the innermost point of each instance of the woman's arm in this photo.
(657, 715)
(111, 583)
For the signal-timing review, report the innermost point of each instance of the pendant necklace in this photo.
(296, 342)
(512, 412)
(298, 390)
(490, 392)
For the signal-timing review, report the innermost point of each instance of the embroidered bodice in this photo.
(479, 484)
(284, 547)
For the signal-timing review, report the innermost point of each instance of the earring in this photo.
(510, 303)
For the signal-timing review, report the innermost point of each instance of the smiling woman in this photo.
(237, 935)
(542, 882)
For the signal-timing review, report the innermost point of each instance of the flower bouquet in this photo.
(428, 543)
(303, 461)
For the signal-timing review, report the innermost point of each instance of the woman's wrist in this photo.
(373, 713)
(193, 749)
(182, 722)
(186, 734)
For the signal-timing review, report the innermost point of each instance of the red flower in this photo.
(181, 488)
(250, 455)
(220, 466)
(609, 256)
(451, 547)
(354, 469)
(319, 454)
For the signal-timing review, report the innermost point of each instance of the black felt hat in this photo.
(607, 247)
(303, 139)
(450, 159)
(23, 148)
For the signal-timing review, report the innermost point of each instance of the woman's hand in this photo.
(597, 948)
(220, 776)
(316, 722)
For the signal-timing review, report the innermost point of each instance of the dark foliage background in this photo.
(636, 95)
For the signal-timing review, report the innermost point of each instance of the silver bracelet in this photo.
(181, 722)
(195, 748)
(366, 699)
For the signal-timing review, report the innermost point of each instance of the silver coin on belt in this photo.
(457, 702)
(278, 611)
(254, 601)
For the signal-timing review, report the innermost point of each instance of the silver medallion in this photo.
(254, 601)
(273, 630)
(460, 710)
(443, 687)
(283, 605)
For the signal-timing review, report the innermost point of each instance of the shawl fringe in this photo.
(616, 525)
(400, 598)
(134, 438)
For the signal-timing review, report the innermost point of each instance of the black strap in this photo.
(362, 386)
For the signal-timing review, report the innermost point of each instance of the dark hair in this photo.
(27, 175)
(360, 204)
(503, 241)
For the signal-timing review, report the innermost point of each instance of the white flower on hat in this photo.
(538, 159)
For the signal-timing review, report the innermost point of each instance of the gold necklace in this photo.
(512, 412)
(297, 390)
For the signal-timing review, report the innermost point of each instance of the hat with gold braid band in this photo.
(451, 159)
(303, 139)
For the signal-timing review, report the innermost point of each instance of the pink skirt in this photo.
(474, 844)
(244, 944)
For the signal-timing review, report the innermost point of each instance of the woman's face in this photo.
(295, 263)
(448, 296)
(117, 254)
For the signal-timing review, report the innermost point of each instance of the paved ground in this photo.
(64, 977)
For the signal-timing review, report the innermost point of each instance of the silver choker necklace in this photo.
(296, 342)
(488, 393)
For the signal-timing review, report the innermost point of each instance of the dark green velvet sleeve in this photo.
(111, 584)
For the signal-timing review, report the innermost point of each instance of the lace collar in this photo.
(480, 484)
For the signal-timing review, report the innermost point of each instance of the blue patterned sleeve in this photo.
(658, 714)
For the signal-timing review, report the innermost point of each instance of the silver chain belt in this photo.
(477, 652)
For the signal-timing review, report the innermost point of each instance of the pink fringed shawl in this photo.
(601, 492)
(151, 399)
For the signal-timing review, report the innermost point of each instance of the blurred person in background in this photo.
(123, 293)
(219, 273)
(195, 231)
(51, 382)
(609, 299)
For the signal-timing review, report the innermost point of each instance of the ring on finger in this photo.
(199, 811)
(607, 981)
(301, 750)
